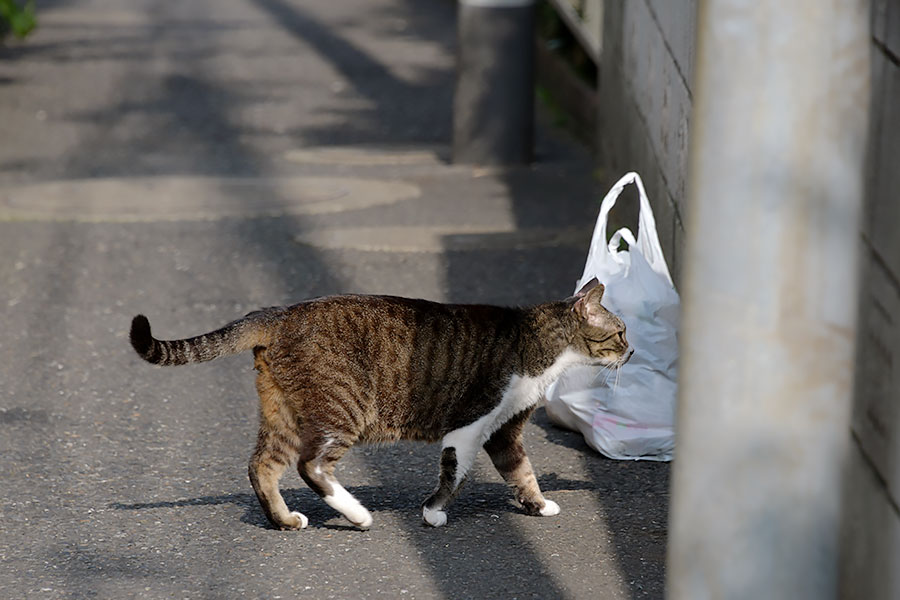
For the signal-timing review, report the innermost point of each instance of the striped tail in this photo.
(237, 336)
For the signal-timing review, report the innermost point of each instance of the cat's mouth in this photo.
(606, 363)
(614, 364)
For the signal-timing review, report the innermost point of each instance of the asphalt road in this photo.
(193, 161)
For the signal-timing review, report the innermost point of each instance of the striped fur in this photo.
(342, 370)
(238, 336)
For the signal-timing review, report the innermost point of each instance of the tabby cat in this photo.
(341, 370)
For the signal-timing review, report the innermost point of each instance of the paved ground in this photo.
(195, 160)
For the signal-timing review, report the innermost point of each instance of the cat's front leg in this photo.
(458, 454)
(433, 509)
(508, 455)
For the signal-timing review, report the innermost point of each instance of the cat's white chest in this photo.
(521, 393)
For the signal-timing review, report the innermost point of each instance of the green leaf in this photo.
(22, 23)
(20, 20)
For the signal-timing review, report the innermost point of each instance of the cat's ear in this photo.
(590, 285)
(588, 304)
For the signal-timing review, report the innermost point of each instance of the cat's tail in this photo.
(243, 334)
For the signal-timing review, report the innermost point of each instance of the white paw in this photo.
(550, 508)
(343, 501)
(434, 517)
(303, 520)
(360, 517)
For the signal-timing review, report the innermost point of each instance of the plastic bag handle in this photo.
(616, 239)
(647, 237)
(647, 242)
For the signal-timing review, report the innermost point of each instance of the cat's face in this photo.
(601, 334)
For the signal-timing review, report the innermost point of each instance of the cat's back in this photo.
(398, 367)
(393, 342)
(352, 317)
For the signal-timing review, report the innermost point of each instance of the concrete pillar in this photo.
(493, 109)
(769, 292)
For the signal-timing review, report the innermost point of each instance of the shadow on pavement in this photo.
(399, 110)
(486, 498)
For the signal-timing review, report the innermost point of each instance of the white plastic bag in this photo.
(629, 414)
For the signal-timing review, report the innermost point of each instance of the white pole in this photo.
(769, 290)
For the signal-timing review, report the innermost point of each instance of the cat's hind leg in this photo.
(266, 468)
(508, 455)
(316, 466)
(276, 448)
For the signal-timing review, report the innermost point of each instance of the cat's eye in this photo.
(619, 334)
(600, 341)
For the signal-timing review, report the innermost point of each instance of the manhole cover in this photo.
(141, 199)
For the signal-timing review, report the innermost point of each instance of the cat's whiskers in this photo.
(609, 371)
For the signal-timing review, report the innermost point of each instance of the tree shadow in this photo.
(398, 111)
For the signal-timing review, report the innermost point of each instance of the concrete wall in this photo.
(645, 109)
(645, 104)
(871, 568)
